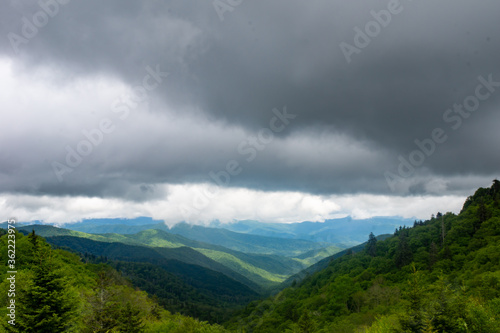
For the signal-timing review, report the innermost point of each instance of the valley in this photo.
(436, 274)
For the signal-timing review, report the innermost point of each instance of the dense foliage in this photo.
(180, 286)
(442, 275)
(56, 292)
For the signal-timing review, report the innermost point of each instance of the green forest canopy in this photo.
(442, 275)
(56, 292)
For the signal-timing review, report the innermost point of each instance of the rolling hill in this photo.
(237, 241)
(56, 292)
(204, 281)
(260, 272)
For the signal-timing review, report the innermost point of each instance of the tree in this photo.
(433, 255)
(413, 320)
(403, 254)
(130, 320)
(33, 238)
(482, 212)
(104, 312)
(495, 188)
(495, 193)
(371, 245)
(446, 308)
(48, 304)
(443, 230)
(306, 323)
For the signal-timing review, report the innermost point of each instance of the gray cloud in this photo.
(353, 119)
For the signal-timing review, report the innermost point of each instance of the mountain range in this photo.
(218, 265)
(439, 275)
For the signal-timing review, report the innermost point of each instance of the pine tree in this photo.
(371, 245)
(413, 319)
(446, 312)
(130, 320)
(403, 254)
(495, 188)
(46, 305)
(104, 314)
(443, 230)
(482, 212)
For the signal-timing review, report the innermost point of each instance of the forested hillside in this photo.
(441, 275)
(184, 280)
(190, 277)
(56, 292)
(258, 271)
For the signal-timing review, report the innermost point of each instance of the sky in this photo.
(278, 111)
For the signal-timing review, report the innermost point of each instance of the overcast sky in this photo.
(279, 110)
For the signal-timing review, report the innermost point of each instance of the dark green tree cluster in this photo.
(371, 245)
(45, 302)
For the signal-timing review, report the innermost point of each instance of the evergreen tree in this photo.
(433, 255)
(495, 188)
(446, 308)
(371, 245)
(47, 305)
(104, 311)
(413, 320)
(446, 253)
(130, 320)
(403, 254)
(482, 212)
(33, 238)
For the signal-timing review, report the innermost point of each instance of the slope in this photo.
(264, 271)
(442, 275)
(56, 292)
(175, 260)
(242, 242)
(246, 242)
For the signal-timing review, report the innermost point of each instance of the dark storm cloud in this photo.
(269, 54)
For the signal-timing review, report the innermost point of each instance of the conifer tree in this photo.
(433, 255)
(130, 320)
(482, 212)
(413, 320)
(104, 314)
(371, 245)
(46, 305)
(403, 254)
